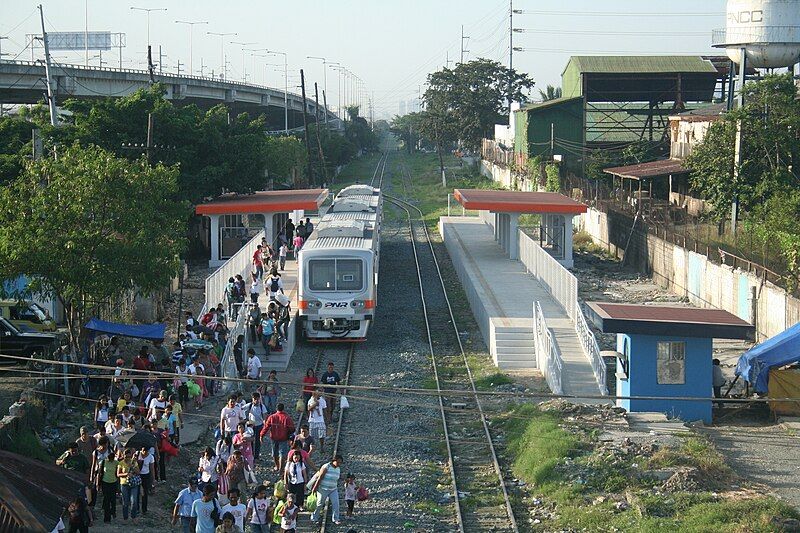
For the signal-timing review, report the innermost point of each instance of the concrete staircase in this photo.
(512, 344)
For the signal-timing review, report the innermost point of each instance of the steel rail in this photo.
(406, 206)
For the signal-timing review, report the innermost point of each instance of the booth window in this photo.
(671, 363)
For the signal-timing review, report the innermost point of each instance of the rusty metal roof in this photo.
(668, 321)
(653, 169)
(33, 494)
(264, 202)
(518, 201)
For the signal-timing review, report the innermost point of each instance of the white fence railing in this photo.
(592, 350)
(228, 364)
(560, 283)
(240, 263)
(563, 287)
(547, 357)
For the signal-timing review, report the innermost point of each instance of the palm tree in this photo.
(551, 93)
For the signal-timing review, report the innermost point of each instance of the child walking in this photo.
(350, 493)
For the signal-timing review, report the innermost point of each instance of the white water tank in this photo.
(768, 29)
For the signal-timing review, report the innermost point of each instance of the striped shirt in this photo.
(331, 479)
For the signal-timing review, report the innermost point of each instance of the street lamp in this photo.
(244, 65)
(222, 49)
(191, 30)
(148, 10)
(324, 71)
(285, 88)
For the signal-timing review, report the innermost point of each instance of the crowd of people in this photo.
(139, 415)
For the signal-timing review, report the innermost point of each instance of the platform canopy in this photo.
(498, 201)
(668, 320)
(653, 169)
(265, 202)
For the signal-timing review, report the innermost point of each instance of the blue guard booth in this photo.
(666, 352)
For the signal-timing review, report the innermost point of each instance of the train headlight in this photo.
(314, 304)
(358, 304)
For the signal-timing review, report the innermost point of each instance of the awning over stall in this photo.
(781, 350)
(139, 331)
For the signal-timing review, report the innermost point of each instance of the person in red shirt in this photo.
(258, 261)
(279, 426)
(142, 360)
(309, 383)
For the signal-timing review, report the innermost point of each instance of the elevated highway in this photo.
(22, 82)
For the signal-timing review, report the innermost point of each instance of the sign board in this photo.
(75, 40)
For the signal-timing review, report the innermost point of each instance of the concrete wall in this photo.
(693, 276)
(505, 177)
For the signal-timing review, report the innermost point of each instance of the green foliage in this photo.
(550, 93)
(474, 96)
(770, 122)
(408, 129)
(117, 223)
(25, 442)
(553, 183)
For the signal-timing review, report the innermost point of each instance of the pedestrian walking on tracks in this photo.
(326, 485)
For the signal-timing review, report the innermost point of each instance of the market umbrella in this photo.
(136, 439)
(197, 344)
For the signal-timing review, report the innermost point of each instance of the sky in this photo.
(389, 44)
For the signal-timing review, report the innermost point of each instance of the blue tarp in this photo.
(146, 331)
(782, 349)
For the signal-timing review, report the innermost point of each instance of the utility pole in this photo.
(202, 68)
(325, 107)
(510, 50)
(463, 38)
(552, 140)
(222, 49)
(737, 151)
(285, 88)
(305, 122)
(150, 67)
(319, 142)
(179, 67)
(51, 99)
(86, 33)
(160, 60)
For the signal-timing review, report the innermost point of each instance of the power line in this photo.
(611, 32)
(618, 13)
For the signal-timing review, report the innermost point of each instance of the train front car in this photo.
(338, 268)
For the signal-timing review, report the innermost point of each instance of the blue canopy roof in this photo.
(144, 331)
(782, 349)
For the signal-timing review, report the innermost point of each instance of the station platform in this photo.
(502, 293)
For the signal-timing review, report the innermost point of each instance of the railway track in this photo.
(480, 496)
(325, 354)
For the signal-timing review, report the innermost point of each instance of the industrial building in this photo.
(608, 100)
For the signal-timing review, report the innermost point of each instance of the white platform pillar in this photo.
(513, 235)
(214, 261)
(568, 262)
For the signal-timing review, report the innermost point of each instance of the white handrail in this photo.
(591, 349)
(228, 364)
(547, 356)
(558, 281)
(239, 264)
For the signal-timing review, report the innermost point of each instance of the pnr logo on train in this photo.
(335, 305)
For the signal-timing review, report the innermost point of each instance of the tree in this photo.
(550, 93)
(407, 128)
(88, 227)
(770, 129)
(438, 124)
(476, 94)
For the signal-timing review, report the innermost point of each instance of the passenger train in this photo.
(338, 268)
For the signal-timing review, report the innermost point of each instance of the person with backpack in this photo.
(295, 477)
(259, 511)
(274, 284)
(279, 426)
(326, 485)
(206, 514)
(256, 413)
(230, 297)
(266, 330)
(284, 315)
(309, 228)
(79, 516)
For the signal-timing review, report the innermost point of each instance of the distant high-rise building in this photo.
(402, 108)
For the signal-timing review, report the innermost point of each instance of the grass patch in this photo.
(491, 381)
(582, 243)
(25, 442)
(538, 444)
(698, 453)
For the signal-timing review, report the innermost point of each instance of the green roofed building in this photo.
(608, 100)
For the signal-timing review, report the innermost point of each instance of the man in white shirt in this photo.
(253, 365)
(229, 417)
(236, 508)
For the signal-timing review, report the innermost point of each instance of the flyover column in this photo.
(568, 262)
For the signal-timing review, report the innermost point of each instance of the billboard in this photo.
(75, 40)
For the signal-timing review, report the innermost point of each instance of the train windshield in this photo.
(336, 274)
